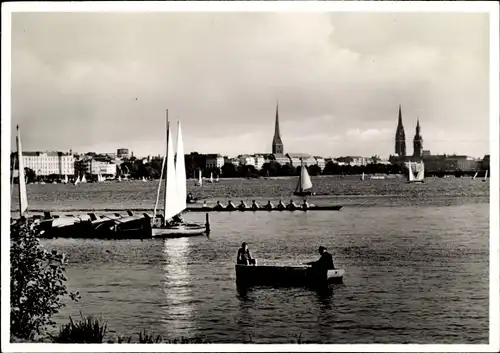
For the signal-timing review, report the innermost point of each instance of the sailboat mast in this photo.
(166, 156)
(300, 175)
(23, 199)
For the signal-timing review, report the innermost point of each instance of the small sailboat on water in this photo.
(475, 176)
(84, 180)
(363, 176)
(23, 196)
(77, 181)
(211, 180)
(200, 179)
(304, 184)
(217, 179)
(175, 193)
(419, 178)
(485, 176)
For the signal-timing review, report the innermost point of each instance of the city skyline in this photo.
(104, 79)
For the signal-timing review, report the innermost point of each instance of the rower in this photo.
(280, 206)
(204, 204)
(242, 206)
(291, 206)
(189, 198)
(255, 206)
(218, 206)
(230, 205)
(305, 205)
(269, 205)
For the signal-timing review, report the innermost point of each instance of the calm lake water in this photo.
(416, 260)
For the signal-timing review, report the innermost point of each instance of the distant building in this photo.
(122, 153)
(418, 143)
(246, 159)
(280, 158)
(426, 153)
(485, 163)
(352, 160)
(277, 145)
(214, 161)
(259, 161)
(400, 145)
(461, 163)
(296, 158)
(231, 160)
(320, 161)
(47, 163)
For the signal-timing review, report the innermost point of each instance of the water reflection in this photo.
(178, 320)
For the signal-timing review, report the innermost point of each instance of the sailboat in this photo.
(144, 179)
(474, 177)
(23, 196)
(175, 192)
(419, 178)
(77, 181)
(363, 176)
(304, 182)
(200, 179)
(211, 180)
(65, 180)
(84, 180)
(485, 176)
(217, 179)
(119, 178)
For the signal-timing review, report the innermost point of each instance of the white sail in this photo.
(474, 177)
(119, 178)
(77, 181)
(180, 171)
(485, 176)
(421, 172)
(23, 196)
(363, 176)
(66, 179)
(217, 179)
(304, 180)
(411, 176)
(200, 179)
(171, 197)
(211, 177)
(84, 180)
(144, 179)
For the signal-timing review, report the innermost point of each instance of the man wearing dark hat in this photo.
(325, 261)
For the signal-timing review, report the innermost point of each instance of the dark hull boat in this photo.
(288, 276)
(262, 209)
(302, 193)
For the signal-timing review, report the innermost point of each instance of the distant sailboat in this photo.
(84, 180)
(485, 176)
(77, 181)
(217, 179)
(304, 183)
(144, 179)
(211, 180)
(474, 177)
(419, 178)
(65, 180)
(119, 178)
(23, 196)
(200, 179)
(363, 176)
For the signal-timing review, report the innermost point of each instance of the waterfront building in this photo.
(246, 159)
(277, 144)
(320, 162)
(295, 159)
(400, 143)
(485, 163)
(352, 160)
(461, 163)
(232, 160)
(214, 161)
(47, 163)
(418, 143)
(259, 161)
(280, 158)
(122, 153)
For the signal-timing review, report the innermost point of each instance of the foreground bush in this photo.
(37, 282)
(88, 330)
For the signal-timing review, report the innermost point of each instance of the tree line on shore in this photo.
(137, 169)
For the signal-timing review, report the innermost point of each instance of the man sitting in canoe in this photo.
(244, 257)
(269, 205)
(280, 206)
(291, 206)
(325, 261)
(190, 198)
(242, 206)
(255, 206)
(230, 205)
(305, 205)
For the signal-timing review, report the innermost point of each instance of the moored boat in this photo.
(304, 184)
(263, 209)
(275, 275)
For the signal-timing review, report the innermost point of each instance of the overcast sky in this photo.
(98, 82)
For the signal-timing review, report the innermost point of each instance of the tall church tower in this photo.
(277, 143)
(418, 142)
(400, 137)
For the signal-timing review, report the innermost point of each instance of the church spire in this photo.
(400, 143)
(277, 145)
(418, 142)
